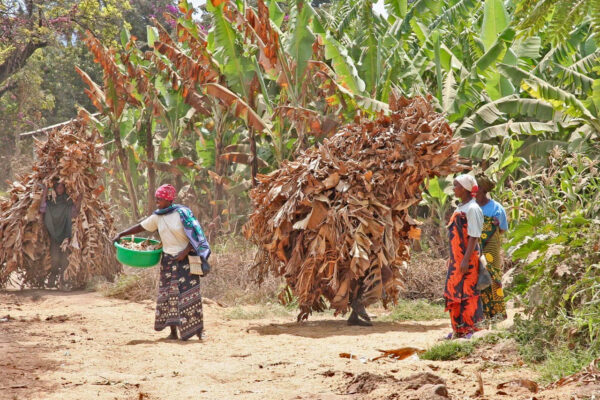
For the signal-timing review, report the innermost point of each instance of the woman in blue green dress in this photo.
(494, 225)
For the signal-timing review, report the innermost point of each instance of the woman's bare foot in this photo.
(173, 335)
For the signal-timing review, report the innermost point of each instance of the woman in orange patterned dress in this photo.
(464, 232)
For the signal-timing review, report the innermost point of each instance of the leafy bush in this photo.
(563, 362)
(557, 246)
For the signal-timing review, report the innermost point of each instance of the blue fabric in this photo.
(192, 228)
(493, 209)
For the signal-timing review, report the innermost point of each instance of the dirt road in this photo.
(82, 345)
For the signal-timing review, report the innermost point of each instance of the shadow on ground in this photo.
(327, 328)
(39, 294)
(191, 341)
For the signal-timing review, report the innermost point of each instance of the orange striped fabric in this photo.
(462, 297)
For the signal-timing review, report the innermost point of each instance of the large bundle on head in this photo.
(335, 221)
(71, 155)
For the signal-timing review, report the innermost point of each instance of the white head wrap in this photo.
(468, 182)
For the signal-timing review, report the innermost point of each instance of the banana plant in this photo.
(566, 80)
(112, 99)
(556, 18)
(437, 197)
(291, 83)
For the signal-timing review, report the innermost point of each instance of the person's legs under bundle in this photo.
(59, 262)
(63, 263)
(359, 315)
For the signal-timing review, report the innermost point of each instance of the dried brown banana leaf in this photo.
(334, 222)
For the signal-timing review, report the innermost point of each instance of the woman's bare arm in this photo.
(471, 243)
(43, 204)
(129, 231)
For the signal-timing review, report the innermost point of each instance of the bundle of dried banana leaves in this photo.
(334, 222)
(72, 155)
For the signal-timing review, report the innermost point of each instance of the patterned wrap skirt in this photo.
(492, 297)
(179, 302)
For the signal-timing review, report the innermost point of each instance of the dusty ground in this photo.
(84, 346)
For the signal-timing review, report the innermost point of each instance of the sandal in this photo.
(449, 336)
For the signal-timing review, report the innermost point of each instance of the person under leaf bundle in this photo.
(179, 302)
(58, 210)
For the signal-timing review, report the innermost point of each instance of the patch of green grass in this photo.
(260, 311)
(563, 362)
(551, 352)
(416, 310)
(450, 350)
(491, 338)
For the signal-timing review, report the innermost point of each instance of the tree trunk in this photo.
(151, 172)
(17, 59)
(125, 166)
(7, 87)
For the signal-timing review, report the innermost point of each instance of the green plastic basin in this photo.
(138, 258)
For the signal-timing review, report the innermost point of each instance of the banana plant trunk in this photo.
(125, 166)
(219, 169)
(254, 166)
(151, 172)
(219, 119)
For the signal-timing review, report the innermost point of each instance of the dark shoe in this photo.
(354, 320)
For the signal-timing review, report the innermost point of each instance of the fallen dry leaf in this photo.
(399, 354)
(590, 374)
(480, 391)
(525, 383)
(348, 355)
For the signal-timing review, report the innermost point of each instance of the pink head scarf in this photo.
(165, 192)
